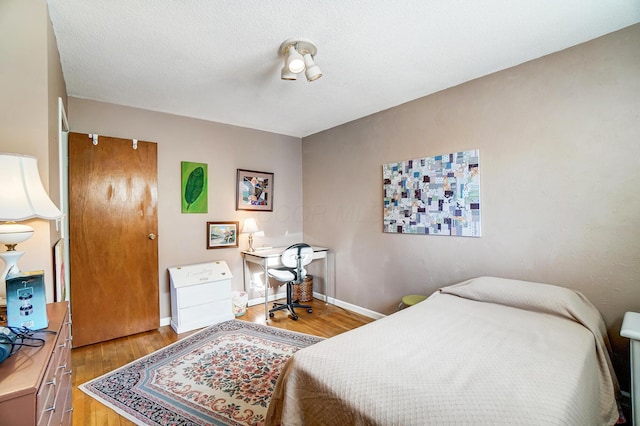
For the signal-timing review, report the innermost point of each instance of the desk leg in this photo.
(266, 290)
(635, 382)
(326, 278)
(244, 273)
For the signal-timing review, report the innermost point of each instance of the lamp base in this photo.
(250, 249)
(10, 258)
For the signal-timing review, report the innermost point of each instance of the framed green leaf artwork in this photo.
(194, 187)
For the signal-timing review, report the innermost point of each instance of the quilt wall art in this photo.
(433, 195)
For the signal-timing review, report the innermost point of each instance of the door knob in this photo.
(152, 236)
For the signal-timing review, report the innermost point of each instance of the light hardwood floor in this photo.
(89, 362)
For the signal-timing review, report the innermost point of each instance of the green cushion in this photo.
(412, 299)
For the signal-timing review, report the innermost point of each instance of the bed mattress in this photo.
(485, 351)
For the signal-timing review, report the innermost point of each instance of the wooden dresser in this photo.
(35, 383)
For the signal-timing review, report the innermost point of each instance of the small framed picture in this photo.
(222, 235)
(254, 190)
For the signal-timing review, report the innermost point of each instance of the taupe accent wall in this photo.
(559, 141)
(225, 148)
(30, 83)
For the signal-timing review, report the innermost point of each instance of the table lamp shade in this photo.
(22, 195)
(249, 226)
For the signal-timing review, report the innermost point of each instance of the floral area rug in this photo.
(222, 375)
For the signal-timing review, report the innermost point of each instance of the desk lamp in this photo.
(250, 227)
(22, 197)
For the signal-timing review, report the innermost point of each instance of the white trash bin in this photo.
(239, 300)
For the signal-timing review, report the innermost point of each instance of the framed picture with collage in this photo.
(254, 190)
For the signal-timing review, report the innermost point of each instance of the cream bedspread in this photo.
(485, 351)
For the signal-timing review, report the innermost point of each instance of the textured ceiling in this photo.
(218, 60)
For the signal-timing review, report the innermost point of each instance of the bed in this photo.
(484, 351)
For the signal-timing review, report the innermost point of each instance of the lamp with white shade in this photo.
(22, 197)
(249, 226)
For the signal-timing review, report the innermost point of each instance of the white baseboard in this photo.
(351, 307)
(345, 305)
(272, 297)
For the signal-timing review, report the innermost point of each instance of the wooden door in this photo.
(112, 237)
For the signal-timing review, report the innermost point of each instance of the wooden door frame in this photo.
(63, 168)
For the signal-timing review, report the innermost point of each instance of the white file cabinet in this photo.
(200, 295)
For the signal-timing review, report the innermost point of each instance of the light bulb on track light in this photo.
(285, 74)
(312, 70)
(295, 61)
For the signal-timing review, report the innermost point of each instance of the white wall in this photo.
(30, 84)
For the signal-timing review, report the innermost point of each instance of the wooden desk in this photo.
(271, 258)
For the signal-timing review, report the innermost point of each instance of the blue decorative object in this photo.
(26, 300)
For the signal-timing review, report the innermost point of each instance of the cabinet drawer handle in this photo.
(52, 382)
(69, 410)
(67, 372)
(64, 367)
(64, 345)
(52, 408)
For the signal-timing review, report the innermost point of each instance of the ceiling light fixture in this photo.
(299, 56)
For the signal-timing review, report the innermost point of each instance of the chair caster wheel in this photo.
(294, 317)
(310, 310)
(271, 314)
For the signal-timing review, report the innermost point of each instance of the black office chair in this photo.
(293, 259)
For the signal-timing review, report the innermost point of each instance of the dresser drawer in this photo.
(63, 388)
(45, 398)
(50, 399)
(67, 412)
(63, 401)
